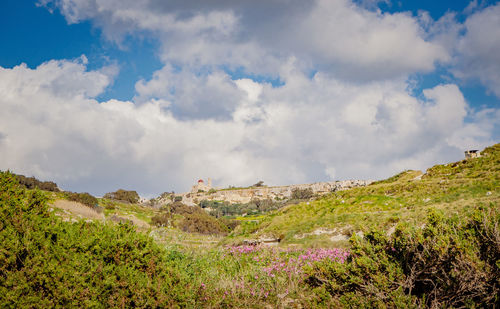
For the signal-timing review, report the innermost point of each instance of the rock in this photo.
(391, 231)
(339, 237)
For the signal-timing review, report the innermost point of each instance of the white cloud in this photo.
(362, 43)
(192, 94)
(478, 56)
(303, 131)
(354, 118)
(336, 36)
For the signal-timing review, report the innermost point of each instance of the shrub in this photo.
(45, 262)
(32, 183)
(110, 206)
(302, 194)
(182, 209)
(84, 198)
(258, 184)
(123, 195)
(202, 223)
(229, 223)
(448, 263)
(161, 219)
(177, 198)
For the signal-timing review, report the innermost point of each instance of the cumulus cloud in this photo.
(333, 36)
(303, 131)
(478, 56)
(191, 94)
(344, 107)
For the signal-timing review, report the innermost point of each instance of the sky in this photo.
(152, 95)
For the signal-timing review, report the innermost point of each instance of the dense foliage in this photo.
(123, 195)
(254, 207)
(451, 262)
(191, 219)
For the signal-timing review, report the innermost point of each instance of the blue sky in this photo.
(244, 91)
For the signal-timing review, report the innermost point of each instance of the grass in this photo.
(405, 197)
(143, 213)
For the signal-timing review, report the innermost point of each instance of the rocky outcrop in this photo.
(261, 193)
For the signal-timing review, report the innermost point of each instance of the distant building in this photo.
(201, 186)
(470, 154)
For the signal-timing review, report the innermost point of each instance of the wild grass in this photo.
(405, 197)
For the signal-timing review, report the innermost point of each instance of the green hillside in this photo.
(406, 197)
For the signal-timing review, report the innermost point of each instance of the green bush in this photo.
(182, 209)
(123, 195)
(302, 194)
(84, 198)
(161, 219)
(449, 263)
(32, 183)
(202, 223)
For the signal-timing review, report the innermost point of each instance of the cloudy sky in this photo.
(152, 95)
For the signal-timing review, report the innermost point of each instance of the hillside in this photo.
(414, 240)
(406, 197)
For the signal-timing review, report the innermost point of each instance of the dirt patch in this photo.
(78, 209)
(137, 222)
(316, 232)
(339, 237)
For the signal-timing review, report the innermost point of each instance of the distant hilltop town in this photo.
(204, 191)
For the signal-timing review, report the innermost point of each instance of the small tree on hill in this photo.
(302, 194)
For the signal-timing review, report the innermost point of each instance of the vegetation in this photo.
(191, 219)
(84, 198)
(430, 240)
(255, 207)
(32, 183)
(45, 262)
(448, 263)
(260, 183)
(123, 195)
(453, 188)
(220, 209)
(302, 194)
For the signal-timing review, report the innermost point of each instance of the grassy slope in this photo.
(406, 197)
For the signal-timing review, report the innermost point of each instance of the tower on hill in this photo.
(201, 186)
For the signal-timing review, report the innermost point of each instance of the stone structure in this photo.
(470, 154)
(200, 192)
(201, 186)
